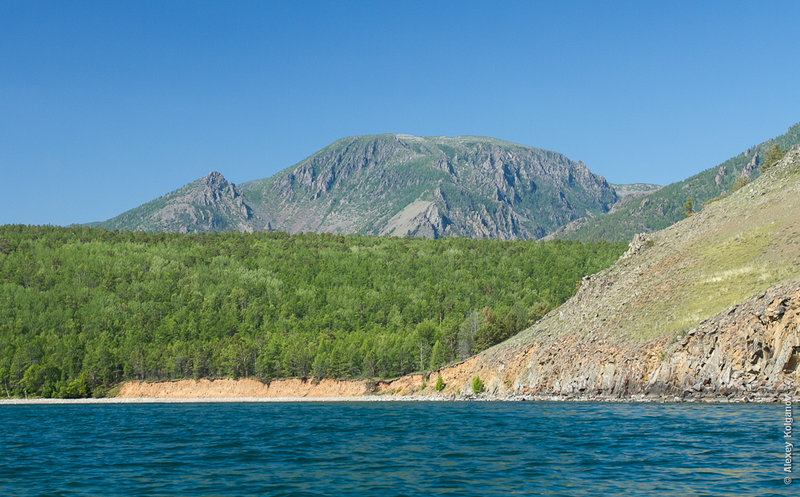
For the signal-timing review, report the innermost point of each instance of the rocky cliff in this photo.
(748, 352)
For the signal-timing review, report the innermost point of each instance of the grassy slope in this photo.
(664, 207)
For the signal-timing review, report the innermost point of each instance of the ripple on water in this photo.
(391, 449)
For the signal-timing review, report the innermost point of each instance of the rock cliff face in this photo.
(431, 187)
(748, 351)
(206, 205)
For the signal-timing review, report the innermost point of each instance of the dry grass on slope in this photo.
(672, 280)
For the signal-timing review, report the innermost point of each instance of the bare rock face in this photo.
(639, 242)
(751, 349)
(721, 172)
(751, 166)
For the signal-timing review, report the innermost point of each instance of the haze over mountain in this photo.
(393, 185)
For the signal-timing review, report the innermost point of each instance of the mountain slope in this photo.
(665, 206)
(208, 204)
(709, 306)
(430, 186)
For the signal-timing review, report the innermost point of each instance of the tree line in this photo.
(82, 309)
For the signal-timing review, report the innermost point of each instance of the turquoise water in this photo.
(388, 449)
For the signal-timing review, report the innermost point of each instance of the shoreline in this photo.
(208, 400)
(772, 399)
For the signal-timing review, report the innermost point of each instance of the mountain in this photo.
(397, 185)
(665, 206)
(206, 205)
(709, 307)
(431, 187)
(474, 187)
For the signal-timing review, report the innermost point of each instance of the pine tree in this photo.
(477, 385)
(772, 156)
(439, 384)
(438, 355)
(740, 182)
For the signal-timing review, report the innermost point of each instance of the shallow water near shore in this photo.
(392, 448)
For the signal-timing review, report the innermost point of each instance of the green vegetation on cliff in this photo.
(82, 309)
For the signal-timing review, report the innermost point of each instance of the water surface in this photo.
(392, 449)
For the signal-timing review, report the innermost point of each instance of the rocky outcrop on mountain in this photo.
(634, 189)
(209, 204)
(405, 185)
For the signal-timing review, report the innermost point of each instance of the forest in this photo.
(83, 309)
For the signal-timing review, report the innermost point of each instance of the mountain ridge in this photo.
(470, 186)
(393, 184)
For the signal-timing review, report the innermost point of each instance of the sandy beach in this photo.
(208, 400)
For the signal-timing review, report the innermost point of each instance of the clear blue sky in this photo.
(105, 105)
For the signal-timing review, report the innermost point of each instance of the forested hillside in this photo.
(83, 308)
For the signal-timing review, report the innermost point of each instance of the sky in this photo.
(107, 105)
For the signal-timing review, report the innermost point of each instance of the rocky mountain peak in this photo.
(210, 203)
(215, 179)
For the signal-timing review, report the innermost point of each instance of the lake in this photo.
(392, 449)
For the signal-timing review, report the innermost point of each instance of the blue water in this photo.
(389, 449)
